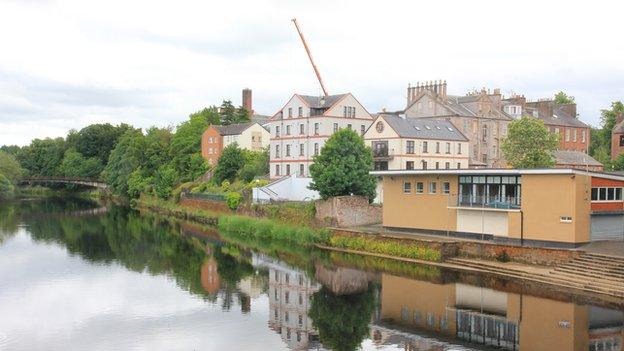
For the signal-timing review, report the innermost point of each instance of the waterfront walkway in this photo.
(611, 248)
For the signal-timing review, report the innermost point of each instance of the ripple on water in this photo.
(4, 340)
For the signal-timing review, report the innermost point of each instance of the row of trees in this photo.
(129, 159)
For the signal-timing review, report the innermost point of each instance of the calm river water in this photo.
(78, 275)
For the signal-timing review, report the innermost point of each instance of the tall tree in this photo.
(74, 164)
(9, 167)
(124, 159)
(210, 114)
(43, 156)
(185, 148)
(230, 161)
(342, 167)
(562, 98)
(96, 140)
(529, 144)
(227, 112)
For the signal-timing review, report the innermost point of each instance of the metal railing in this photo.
(501, 202)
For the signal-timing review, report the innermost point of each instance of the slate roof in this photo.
(233, 129)
(419, 128)
(577, 158)
(558, 118)
(321, 101)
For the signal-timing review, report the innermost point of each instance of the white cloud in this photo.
(150, 62)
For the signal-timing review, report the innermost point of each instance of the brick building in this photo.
(617, 137)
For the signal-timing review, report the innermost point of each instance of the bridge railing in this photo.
(62, 179)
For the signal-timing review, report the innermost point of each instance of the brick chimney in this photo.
(247, 102)
(569, 109)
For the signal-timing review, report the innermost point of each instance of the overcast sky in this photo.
(67, 64)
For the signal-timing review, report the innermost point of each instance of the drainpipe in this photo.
(521, 228)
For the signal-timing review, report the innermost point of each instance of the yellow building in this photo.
(542, 207)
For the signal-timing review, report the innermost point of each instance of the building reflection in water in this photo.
(427, 316)
(290, 292)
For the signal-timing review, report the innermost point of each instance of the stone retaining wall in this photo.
(348, 211)
(203, 204)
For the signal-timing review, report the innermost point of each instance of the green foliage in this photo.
(292, 213)
(342, 167)
(185, 148)
(96, 140)
(600, 143)
(210, 114)
(233, 200)
(6, 187)
(256, 164)
(266, 229)
(164, 180)
(562, 98)
(503, 256)
(137, 183)
(43, 156)
(230, 114)
(9, 167)
(342, 321)
(386, 247)
(125, 158)
(529, 144)
(74, 164)
(229, 163)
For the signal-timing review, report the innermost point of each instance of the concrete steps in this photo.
(567, 277)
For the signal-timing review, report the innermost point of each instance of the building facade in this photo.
(479, 116)
(401, 143)
(249, 136)
(617, 137)
(299, 130)
(540, 207)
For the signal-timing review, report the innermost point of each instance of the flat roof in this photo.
(498, 171)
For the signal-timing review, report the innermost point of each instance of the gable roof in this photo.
(460, 105)
(423, 128)
(233, 129)
(575, 158)
(559, 117)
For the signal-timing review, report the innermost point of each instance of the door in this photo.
(607, 227)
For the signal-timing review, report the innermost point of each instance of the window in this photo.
(447, 165)
(433, 187)
(344, 112)
(301, 128)
(335, 127)
(424, 163)
(437, 147)
(277, 170)
(407, 187)
(484, 133)
(287, 281)
(446, 187)
(437, 165)
(583, 136)
(301, 169)
(606, 194)
(210, 151)
(362, 129)
(565, 219)
(277, 151)
(301, 149)
(425, 148)
(288, 130)
(420, 187)
(448, 148)
(288, 333)
(287, 150)
(458, 165)
(574, 135)
(459, 151)
(289, 112)
(410, 147)
(409, 165)
(287, 173)
(316, 149)
(316, 128)
(300, 320)
(277, 131)
(567, 134)
(300, 112)
(349, 127)
(557, 130)
(300, 297)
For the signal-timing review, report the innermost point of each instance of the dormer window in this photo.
(427, 127)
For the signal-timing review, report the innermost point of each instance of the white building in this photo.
(299, 130)
(403, 143)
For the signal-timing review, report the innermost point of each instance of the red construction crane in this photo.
(305, 45)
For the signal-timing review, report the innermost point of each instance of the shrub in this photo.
(386, 247)
(225, 185)
(503, 256)
(233, 200)
(248, 227)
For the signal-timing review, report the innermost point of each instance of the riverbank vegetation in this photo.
(386, 247)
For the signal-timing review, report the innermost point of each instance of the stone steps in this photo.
(590, 272)
(565, 280)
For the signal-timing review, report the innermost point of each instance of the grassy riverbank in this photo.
(274, 231)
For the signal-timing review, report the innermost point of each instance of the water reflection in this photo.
(269, 296)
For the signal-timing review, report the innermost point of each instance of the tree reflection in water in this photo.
(342, 321)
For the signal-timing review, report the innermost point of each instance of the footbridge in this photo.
(94, 183)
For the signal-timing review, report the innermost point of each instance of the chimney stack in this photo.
(247, 102)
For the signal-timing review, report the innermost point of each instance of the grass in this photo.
(267, 229)
(378, 264)
(293, 213)
(386, 247)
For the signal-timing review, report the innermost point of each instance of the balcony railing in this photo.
(500, 202)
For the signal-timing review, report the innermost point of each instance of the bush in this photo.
(503, 256)
(386, 247)
(233, 200)
(248, 227)
(6, 188)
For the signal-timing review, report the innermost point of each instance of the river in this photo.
(79, 275)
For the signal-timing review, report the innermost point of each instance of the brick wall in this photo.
(530, 255)
(348, 211)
